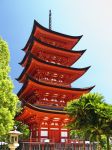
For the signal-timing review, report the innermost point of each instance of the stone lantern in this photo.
(13, 141)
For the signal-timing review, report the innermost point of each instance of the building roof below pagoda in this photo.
(32, 114)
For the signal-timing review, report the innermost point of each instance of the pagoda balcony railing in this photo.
(68, 145)
(50, 106)
(54, 81)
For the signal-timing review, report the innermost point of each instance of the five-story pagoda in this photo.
(47, 78)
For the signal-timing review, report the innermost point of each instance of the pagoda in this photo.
(47, 78)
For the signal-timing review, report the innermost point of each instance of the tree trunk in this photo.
(108, 145)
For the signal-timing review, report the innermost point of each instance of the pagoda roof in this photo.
(36, 43)
(31, 113)
(34, 62)
(31, 85)
(45, 108)
(37, 28)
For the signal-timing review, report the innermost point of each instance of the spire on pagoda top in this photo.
(50, 20)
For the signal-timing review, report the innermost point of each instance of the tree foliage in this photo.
(8, 100)
(91, 115)
(23, 128)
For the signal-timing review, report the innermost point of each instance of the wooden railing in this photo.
(76, 145)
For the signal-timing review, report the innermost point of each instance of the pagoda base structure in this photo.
(45, 125)
(52, 135)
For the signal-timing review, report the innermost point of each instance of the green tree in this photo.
(8, 100)
(23, 128)
(93, 116)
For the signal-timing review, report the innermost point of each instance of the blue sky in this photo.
(92, 18)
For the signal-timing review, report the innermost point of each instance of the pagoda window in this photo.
(50, 41)
(64, 96)
(63, 134)
(44, 133)
(48, 73)
(53, 58)
(61, 76)
(46, 94)
(49, 57)
(46, 78)
(32, 99)
(54, 43)
(54, 100)
(56, 94)
(60, 81)
(45, 99)
(36, 133)
(56, 124)
(53, 79)
(62, 101)
(63, 140)
(55, 75)
(52, 123)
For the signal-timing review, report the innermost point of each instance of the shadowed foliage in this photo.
(92, 116)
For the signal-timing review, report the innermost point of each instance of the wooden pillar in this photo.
(68, 135)
(60, 127)
(49, 132)
(30, 132)
(30, 137)
(39, 133)
(36, 132)
(59, 133)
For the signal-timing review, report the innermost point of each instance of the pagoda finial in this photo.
(50, 20)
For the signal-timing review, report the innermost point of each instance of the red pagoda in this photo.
(47, 78)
